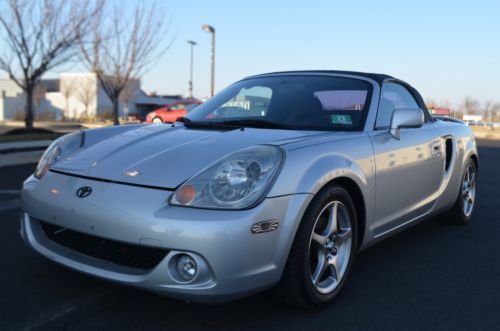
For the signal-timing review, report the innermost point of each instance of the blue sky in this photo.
(446, 49)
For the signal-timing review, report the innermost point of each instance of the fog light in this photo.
(186, 267)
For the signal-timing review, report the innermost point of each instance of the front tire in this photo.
(323, 251)
(461, 212)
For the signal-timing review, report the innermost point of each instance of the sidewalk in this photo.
(23, 152)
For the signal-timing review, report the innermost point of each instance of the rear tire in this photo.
(461, 212)
(157, 120)
(323, 251)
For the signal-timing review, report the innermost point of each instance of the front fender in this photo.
(328, 168)
(307, 170)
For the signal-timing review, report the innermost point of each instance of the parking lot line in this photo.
(9, 204)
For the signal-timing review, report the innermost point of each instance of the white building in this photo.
(73, 95)
(11, 99)
(472, 118)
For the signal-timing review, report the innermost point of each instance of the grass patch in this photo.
(486, 133)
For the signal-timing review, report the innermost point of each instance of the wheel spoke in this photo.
(319, 238)
(472, 179)
(331, 227)
(334, 269)
(320, 268)
(465, 190)
(343, 235)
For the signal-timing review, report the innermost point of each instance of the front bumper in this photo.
(232, 261)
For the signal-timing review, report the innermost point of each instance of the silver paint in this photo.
(401, 183)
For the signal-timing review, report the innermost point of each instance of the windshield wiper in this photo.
(233, 124)
(205, 125)
(256, 123)
(184, 120)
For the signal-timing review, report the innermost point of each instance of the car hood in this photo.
(166, 156)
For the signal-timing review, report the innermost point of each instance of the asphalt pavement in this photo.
(432, 276)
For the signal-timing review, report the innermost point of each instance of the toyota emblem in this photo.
(83, 191)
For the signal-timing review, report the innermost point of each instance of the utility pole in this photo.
(211, 29)
(192, 44)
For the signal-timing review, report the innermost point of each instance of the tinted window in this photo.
(299, 102)
(178, 106)
(394, 96)
(248, 102)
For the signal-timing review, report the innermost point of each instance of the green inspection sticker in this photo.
(341, 119)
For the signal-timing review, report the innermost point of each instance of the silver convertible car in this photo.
(277, 181)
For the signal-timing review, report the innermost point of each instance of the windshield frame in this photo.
(371, 89)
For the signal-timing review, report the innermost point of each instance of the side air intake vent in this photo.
(449, 151)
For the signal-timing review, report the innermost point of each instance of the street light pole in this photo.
(211, 29)
(192, 43)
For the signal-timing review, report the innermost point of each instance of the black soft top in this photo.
(379, 78)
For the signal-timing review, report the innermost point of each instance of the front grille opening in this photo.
(116, 252)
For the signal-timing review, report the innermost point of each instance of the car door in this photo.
(173, 112)
(408, 171)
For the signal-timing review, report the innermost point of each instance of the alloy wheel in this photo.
(330, 247)
(469, 190)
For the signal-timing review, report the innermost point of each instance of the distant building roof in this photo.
(156, 100)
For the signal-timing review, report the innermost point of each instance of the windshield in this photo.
(291, 102)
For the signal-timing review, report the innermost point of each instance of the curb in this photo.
(22, 152)
(25, 149)
(24, 145)
(18, 158)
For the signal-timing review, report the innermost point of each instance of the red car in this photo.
(170, 112)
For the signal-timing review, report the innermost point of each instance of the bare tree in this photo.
(39, 93)
(122, 49)
(39, 36)
(68, 89)
(128, 93)
(430, 103)
(454, 112)
(86, 92)
(491, 110)
(470, 106)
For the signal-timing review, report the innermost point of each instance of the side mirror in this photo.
(406, 118)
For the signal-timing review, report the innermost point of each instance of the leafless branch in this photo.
(40, 35)
(86, 92)
(123, 49)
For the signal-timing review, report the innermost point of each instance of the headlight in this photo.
(60, 148)
(237, 181)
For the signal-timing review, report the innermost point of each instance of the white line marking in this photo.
(14, 192)
(9, 204)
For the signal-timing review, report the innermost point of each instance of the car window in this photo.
(178, 106)
(297, 102)
(393, 96)
(249, 102)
